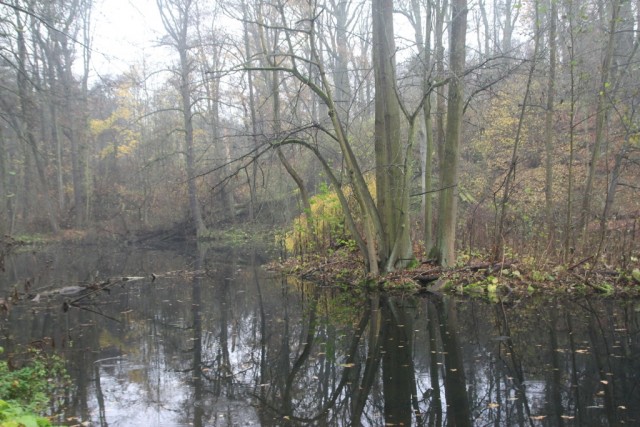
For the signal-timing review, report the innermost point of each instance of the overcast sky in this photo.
(123, 30)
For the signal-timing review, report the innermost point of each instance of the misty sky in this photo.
(123, 29)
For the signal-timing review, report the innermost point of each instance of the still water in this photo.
(216, 340)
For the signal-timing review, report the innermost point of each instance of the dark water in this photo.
(216, 340)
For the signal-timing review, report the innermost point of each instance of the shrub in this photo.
(29, 391)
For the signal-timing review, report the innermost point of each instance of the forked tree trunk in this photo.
(395, 249)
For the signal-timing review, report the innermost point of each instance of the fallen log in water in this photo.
(82, 291)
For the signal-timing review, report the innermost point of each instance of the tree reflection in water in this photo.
(216, 341)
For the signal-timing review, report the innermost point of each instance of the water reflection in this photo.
(216, 340)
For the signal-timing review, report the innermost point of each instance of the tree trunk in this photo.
(370, 217)
(187, 117)
(341, 54)
(445, 251)
(176, 22)
(27, 108)
(74, 100)
(548, 122)
(498, 249)
(487, 29)
(441, 107)
(424, 52)
(568, 230)
(395, 249)
(252, 116)
(601, 119)
(510, 19)
(5, 192)
(441, 14)
(611, 195)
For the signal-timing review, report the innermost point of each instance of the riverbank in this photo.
(477, 277)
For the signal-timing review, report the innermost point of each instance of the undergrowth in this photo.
(32, 390)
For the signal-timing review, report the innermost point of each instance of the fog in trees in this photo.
(441, 126)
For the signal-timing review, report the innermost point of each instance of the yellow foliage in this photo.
(326, 219)
(120, 127)
(324, 226)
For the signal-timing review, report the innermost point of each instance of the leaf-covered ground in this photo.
(479, 278)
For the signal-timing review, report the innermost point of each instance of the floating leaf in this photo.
(538, 417)
(493, 405)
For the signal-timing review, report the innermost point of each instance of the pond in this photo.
(213, 339)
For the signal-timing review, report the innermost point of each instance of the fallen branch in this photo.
(579, 263)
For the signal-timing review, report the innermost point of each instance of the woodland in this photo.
(401, 129)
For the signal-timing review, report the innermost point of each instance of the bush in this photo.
(29, 391)
(326, 229)
(13, 414)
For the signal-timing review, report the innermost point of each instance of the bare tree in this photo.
(507, 186)
(602, 109)
(28, 118)
(176, 16)
(549, 117)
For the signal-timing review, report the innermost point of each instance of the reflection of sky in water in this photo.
(137, 395)
(145, 363)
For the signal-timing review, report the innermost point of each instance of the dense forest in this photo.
(501, 127)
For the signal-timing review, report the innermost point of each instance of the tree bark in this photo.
(568, 230)
(449, 186)
(252, 115)
(549, 116)
(5, 192)
(441, 106)
(395, 249)
(424, 52)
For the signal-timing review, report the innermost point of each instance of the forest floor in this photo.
(477, 277)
